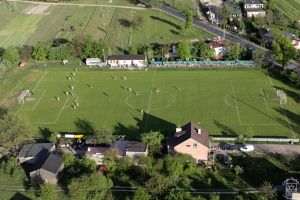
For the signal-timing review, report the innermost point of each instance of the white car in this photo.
(247, 148)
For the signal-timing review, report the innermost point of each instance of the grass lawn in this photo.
(17, 28)
(291, 8)
(223, 102)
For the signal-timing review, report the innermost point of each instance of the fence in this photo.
(191, 63)
(275, 140)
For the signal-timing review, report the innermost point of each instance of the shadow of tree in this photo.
(84, 126)
(294, 119)
(19, 196)
(45, 132)
(146, 124)
(125, 22)
(166, 21)
(226, 130)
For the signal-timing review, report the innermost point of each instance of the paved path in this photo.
(77, 4)
(284, 149)
(213, 29)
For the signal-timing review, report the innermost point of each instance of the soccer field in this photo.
(224, 102)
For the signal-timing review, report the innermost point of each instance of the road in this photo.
(283, 149)
(213, 29)
(77, 4)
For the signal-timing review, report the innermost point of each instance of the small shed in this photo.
(23, 64)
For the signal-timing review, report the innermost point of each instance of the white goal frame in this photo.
(21, 97)
(282, 95)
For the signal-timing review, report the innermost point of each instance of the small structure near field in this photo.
(282, 97)
(22, 64)
(21, 97)
(254, 8)
(94, 62)
(127, 61)
(219, 48)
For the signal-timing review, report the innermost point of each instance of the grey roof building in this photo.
(49, 171)
(30, 153)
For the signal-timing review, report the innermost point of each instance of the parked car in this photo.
(228, 147)
(247, 148)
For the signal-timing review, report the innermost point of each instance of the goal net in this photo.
(282, 97)
(21, 97)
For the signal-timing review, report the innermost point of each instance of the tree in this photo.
(47, 192)
(69, 160)
(52, 137)
(214, 197)
(153, 140)
(203, 51)
(14, 131)
(92, 187)
(132, 50)
(283, 50)
(110, 160)
(238, 170)
(182, 195)
(103, 137)
(267, 191)
(40, 51)
(183, 50)
(234, 52)
(189, 19)
(87, 165)
(141, 194)
(293, 77)
(11, 54)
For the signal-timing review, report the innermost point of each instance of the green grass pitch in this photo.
(223, 102)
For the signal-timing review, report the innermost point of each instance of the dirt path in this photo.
(78, 4)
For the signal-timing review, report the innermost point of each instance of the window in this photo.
(195, 145)
(188, 145)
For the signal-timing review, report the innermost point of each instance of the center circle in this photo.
(148, 100)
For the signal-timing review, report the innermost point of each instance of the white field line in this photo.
(37, 103)
(60, 111)
(150, 99)
(286, 118)
(36, 85)
(262, 93)
(151, 93)
(236, 104)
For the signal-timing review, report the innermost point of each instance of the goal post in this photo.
(282, 97)
(21, 97)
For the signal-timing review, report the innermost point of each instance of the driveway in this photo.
(284, 149)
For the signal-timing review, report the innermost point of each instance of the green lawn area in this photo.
(223, 102)
(291, 8)
(67, 22)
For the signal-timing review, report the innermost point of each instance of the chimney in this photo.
(199, 131)
(178, 130)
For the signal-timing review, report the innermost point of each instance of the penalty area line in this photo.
(236, 104)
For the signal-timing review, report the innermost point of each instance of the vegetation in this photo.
(283, 50)
(14, 131)
(94, 187)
